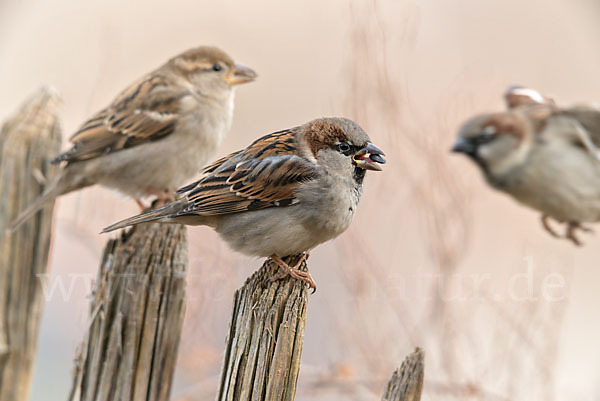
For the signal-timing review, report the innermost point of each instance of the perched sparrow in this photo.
(157, 133)
(283, 195)
(544, 163)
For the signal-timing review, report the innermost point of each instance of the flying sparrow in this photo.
(286, 193)
(540, 157)
(155, 134)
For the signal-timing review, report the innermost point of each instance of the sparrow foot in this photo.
(571, 233)
(293, 271)
(548, 227)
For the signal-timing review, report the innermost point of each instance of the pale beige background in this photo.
(409, 72)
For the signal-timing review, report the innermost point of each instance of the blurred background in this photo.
(434, 257)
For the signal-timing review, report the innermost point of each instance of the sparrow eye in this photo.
(344, 148)
(489, 131)
(217, 67)
(488, 134)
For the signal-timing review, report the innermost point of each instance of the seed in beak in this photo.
(377, 158)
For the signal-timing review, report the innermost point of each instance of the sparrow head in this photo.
(340, 145)
(496, 142)
(210, 69)
(517, 96)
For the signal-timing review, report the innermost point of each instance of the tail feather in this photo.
(161, 214)
(65, 181)
(48, 195)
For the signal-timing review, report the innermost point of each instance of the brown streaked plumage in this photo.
(180, 111)
(147, 111)
(284, 194)
(265, 175)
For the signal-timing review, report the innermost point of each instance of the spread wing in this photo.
(266, 174)
(146, 111)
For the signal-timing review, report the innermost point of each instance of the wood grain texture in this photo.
(406, 383)
(130, 348)
(28, 141)
(264, 344)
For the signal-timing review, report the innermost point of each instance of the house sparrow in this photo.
(155, 134)
(286, 193)
(543, 163)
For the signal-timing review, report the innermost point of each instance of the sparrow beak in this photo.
(465, 146)
(369, 158)
(240, 74)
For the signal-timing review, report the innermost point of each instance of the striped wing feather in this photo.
(265, 174)
(146, 111)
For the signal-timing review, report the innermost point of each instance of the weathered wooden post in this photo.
(266, 334)
(28, 141)
(130, 348)
(406, 383)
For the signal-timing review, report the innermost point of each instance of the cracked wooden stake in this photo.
(28, 141)
(406, 383)
(130, 348)
(264, 344)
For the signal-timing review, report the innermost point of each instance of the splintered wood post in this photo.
(406, 383)
(28, 141)
(136, 314)
(266, 334)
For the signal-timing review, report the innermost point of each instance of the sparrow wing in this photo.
(144, 112)
(589, 118)
(265, 174)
